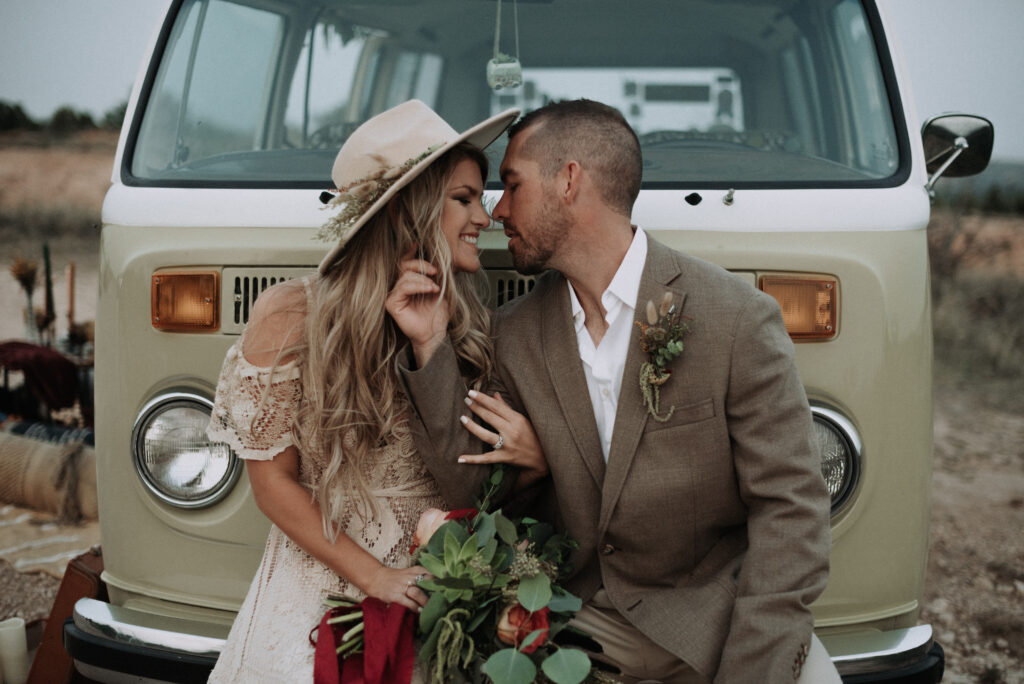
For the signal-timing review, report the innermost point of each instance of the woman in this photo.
(308, 394)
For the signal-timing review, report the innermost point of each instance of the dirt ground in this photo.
(974, 588)
(975, 581)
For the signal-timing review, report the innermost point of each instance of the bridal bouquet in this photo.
(495, 605)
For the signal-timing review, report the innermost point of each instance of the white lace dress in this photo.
(269, 639)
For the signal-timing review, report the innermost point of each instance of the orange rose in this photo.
(516, 623)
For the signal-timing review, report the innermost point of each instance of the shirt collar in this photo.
(625, 285)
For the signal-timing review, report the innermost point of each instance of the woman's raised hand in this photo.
(514, 442)
(417, 308)
(398, 585)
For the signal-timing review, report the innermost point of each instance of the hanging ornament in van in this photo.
(505, 71)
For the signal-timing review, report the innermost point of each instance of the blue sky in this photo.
(962, 56)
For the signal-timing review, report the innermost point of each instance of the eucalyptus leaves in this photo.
(662, 340)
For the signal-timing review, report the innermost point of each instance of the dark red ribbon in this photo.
(388, 653)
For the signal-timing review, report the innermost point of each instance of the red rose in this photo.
(516, 623)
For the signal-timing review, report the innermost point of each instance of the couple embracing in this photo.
(682, 462)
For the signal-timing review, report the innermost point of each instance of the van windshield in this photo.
(738, 93)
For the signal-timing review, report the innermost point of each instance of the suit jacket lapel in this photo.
(631, 416)
(562, 357)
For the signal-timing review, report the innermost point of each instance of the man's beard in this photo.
(547, 235)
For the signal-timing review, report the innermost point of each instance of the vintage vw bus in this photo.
(780, 141)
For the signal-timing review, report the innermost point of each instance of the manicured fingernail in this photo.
(472, 393)
(462, 460)
(469, 402)
(463, 419)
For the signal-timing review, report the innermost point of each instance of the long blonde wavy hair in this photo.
(352, 399)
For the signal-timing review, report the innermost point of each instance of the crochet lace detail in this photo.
(253, 410)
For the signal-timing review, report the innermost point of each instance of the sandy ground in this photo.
(975, 582)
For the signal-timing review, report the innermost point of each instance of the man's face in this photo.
(535, 222)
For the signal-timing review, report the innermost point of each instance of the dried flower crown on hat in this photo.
(385, 154)
(360, 195)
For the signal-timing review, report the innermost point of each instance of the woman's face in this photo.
(464, 216)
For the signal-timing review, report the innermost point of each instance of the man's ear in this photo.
(570, 179)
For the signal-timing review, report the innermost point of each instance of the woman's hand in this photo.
(398, 585)
(417, 308)
(514, 442)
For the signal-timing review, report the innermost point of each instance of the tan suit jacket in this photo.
(709, 531)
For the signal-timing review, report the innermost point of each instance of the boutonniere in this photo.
(662, 340)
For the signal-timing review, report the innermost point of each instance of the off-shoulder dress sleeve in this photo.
(254, 408)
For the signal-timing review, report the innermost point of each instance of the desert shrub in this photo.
(977, 313)
(14, 118)
(114, 117)
(979, 322)
(46, 223)
(67, 120)
(994, 201)
(954, 243)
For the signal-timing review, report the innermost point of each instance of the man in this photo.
(702, 519)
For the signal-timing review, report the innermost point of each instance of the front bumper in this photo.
(114, 644)
(118, 645)
(899, 656)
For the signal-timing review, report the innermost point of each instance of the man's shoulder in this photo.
(702, 278)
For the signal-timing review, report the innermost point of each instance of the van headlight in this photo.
(173, 457)
(840, 447)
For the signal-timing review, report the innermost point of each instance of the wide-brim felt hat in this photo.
(384, 155)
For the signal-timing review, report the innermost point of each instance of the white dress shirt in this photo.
(603, 364)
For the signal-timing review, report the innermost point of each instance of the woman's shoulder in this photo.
(276, 327)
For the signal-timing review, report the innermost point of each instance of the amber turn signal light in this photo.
(185, 301)
(809, 303)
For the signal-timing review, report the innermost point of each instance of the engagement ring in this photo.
(500, 442)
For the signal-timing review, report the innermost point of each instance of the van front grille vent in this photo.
(241, 286)
(506, 285)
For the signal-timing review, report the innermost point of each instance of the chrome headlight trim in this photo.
(843, 427)
(156, 406)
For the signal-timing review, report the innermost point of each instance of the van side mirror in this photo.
(956, 145)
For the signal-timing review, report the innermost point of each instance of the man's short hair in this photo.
(595, 135)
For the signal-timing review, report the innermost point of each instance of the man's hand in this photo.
(417, 308)
(514, 442)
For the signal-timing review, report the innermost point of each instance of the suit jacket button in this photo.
(607, 549)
